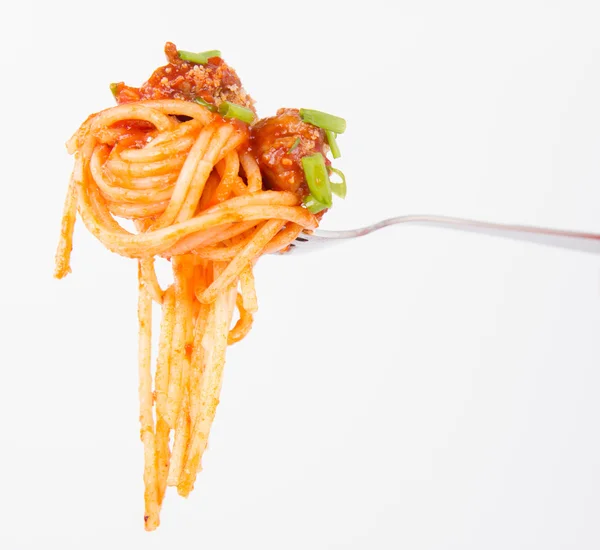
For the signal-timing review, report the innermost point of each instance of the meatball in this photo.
(279, 142)
(214, 82)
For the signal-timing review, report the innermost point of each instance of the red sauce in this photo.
(214, 82)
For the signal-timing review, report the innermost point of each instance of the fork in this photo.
(573, 240)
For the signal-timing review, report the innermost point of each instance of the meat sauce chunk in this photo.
(279, 142)
(214, 82)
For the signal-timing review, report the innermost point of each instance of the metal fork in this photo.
(573, 240)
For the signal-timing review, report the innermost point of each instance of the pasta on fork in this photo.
(209, 188)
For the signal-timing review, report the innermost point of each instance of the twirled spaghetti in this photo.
(192, 184)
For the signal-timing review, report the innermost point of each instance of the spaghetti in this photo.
(191, 183)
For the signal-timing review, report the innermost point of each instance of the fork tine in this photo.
(306, 242)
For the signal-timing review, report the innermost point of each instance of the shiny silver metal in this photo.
(573, 240)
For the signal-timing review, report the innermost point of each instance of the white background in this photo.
(418, 389)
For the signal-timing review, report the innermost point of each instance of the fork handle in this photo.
(573, 240)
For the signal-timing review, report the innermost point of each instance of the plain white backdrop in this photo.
(417, 389)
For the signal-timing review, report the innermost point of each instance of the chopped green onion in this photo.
(313, 205)
(338, 187)
(294, 145)
(323, 120)
(200, 58)
(113, 88)
(212, 108)
(315, 172)
(335, 150)
(231, 110)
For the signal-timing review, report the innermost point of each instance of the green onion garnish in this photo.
(231, 110)
(335, 150)
(294, 145)
(315, 172)
(338, 187)
(323, 120)
(199, 58)
(212, 108)
(113, 88)
(313, 205)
